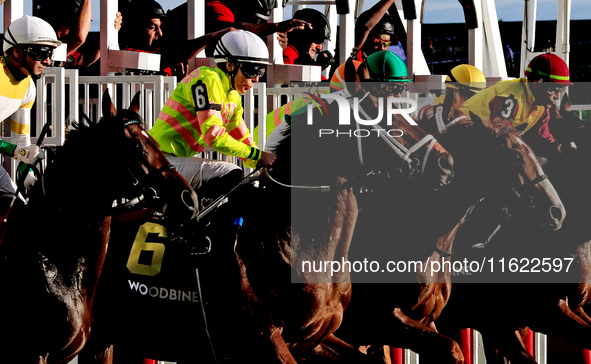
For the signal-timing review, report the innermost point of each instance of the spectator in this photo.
(509, 58)
(305, 46)
(72, 24)
(147, 34)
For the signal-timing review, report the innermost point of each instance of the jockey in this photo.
(384, 67)
(385, 61)
(28, 47)
(466, 79)
(205, 111)
(525, 104)
(462, 82)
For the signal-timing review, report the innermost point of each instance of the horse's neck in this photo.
(315, 240)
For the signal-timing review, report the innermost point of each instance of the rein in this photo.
(142, 191)
(441, 126)
(533, 182)
(403, 152)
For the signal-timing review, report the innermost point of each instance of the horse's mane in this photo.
(78, 174)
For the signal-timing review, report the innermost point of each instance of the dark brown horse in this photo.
(261, 298)
(54, 247)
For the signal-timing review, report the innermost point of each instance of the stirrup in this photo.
(201, 248)
(488, 240)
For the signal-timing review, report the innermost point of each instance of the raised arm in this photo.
(270, 28)
(79, 28)
(368, 19)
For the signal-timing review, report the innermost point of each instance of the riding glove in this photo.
(30, 154)
(30, 180)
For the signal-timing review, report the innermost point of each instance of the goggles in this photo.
(379, 41)
(391, 89)
(39, 53)
(560, 90)
(251, 70)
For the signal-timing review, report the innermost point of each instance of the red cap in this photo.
(548, 67)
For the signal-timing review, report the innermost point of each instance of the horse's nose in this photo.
(557, 214)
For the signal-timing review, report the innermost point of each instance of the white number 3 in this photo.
(509, 104)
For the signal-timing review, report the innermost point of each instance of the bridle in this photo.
(143, 191)
(403, 152)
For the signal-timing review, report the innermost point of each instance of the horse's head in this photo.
(158, 180)
(512, 163)
(431, 166)
(421, 159)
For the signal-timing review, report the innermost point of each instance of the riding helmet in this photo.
(30, 30)
(241, 46)
(466, 75)
(548, 67)
(387, 66)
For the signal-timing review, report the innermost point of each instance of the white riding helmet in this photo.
(241, 46)
(30, 30)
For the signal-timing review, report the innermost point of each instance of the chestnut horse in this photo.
(559, 306)
(490, 160)
(258, 296)
(54, 247)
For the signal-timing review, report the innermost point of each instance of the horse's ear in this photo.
(565, 103)
(448, 102)
(109, 110)
(135, 103)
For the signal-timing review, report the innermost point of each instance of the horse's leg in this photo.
(332, 349)
(580, 311)
(422, 339)
(564, 324)
(505, 346)
(271, 333)
(510, 345)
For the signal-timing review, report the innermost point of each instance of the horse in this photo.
(556, 309)
(308, 207)
(54, 247)
(490, 160)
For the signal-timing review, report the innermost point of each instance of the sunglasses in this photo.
(251, 70)
(381, 41)
(39, 53)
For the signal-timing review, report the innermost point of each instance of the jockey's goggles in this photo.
(251, 70)
(391, 88)
(560, 90)
(39, 53)
(380, 41)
